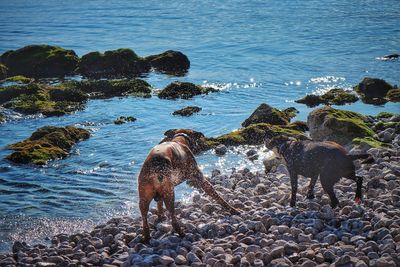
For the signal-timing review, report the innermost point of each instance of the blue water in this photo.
(255, 51)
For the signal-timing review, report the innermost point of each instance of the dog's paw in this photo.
(160, 219)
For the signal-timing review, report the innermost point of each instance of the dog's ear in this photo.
(170, 133)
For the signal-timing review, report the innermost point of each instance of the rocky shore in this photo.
(266, 233)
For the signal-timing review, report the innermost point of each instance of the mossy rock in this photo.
(170, 62)
(19, 79)
(47, 143)
(290, 112)
(3, 71)
(254, 134)
(267, 114)
(2, 118)
(298, 126)
(370, 142)
(335, 96)
(393, 95)
(337, 125)
(40, 61)
(123, 119)
(118, 63)
(384, 115)
(111, 88)
(37, 98)
(371, 88)
(187, 111)
(184, 90)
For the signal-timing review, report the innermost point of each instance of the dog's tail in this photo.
(161, 166)
(367, 158)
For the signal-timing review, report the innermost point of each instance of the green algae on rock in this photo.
(337, 125)
(2, 118)
(267, 114)
(19, 79)
(117, 63)
(123, 119)
(254, 134)
(40, 61)
(170, 62)
(47, 143)
(369, 141)
(393, 95)
(3, 71)
(335, 96)
(187, 111)
(39, 98)
(184, 90)
(111, 88)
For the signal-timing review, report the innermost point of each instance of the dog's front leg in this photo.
(293, 183)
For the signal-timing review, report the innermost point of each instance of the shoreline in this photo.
(267, 232)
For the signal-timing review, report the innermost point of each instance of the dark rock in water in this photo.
(40, 61)
(3, 72)
(170, 62)
(335, 96)
(111, 88)
(123, 119)
(118, 63)
(47, 143)
(187, 111)
(370, 88)
(391, 57)
(267, 114)
(393, 95)
(39, 98)
(337, 125)
(184, 90)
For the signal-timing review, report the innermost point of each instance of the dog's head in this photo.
(196, 140)
(275, 144)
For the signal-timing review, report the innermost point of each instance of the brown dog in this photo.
(168, 164)
(328, 160)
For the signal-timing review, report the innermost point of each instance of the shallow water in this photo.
(258, 51)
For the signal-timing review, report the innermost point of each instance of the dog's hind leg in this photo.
(327, 183)
(144, 209)
(310, 193)
(160, 211)
(293, 183)
(169, 200)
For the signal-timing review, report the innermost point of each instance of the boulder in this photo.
(40, 61)
(47, 143)
(170, 62)
(184, 90)
(372, 88)
(187, 111)
(310, 100)
(3, 72)
(267, 114)
(118, 63)
(337, 125)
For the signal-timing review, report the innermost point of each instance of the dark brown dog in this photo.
(328, 160)
(167, 165)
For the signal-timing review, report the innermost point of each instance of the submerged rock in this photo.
(47, 143)
(267, 114)
(184, 90)
(123, 119)
(187, 111)
(332, 97)
(170, 62)
(118, 63)
(111, 88)
(337, 125)
(40, 61)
